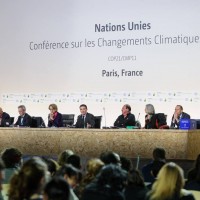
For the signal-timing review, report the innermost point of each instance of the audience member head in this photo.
(112, 176)
(52, 165)
(62, 158)
(169, 183)
(1, 173)
(53, 108)
(178, 110)
(94, 166)
(75, 161)
(21, 110)
(12, 158)
(126, 109)
(149, 109)
(83, 109)
(29, 180)
(57, 189)
(135, 178)
(110, 158)
(126, 163)
(70, 174)
(159, 154)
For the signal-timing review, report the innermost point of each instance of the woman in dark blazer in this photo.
(54, 118)
(150, 117)
(153, 120)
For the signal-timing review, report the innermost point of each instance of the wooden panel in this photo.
(91, 142)
(193, 144)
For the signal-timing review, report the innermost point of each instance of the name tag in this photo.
(184, 124)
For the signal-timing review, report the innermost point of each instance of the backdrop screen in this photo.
(102, 53)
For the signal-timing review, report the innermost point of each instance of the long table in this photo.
(91, 142)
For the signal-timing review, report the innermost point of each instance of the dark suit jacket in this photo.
(157, 120)
(27, 120)
(122, 122)
(93, 191)
(176, 124)
(57, 122)
(89, 119)
(192, 185)
(135, 192)
(150, 171)
(5, 118)
(150, 124)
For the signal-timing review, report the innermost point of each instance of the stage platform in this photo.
(91, 142)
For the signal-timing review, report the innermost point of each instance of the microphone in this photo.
(138, 161)
(138, 116)
(104, 112)
(137, 123)
(42, 125)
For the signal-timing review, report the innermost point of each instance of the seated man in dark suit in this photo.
(24, 119)
(4, 118)
(177, 116)
(85, 120)
(126, 118)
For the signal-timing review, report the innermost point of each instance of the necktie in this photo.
(22, 119)
(83, 117)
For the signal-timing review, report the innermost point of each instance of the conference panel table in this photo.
(178, 144)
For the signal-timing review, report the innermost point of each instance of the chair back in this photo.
(68, 119)
(37, 122)
(12, 120)
(97, 120)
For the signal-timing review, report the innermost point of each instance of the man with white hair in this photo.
(24, 119)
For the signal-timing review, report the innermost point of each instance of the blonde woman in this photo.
(169, 185)
(54, 117)
(93, 168)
